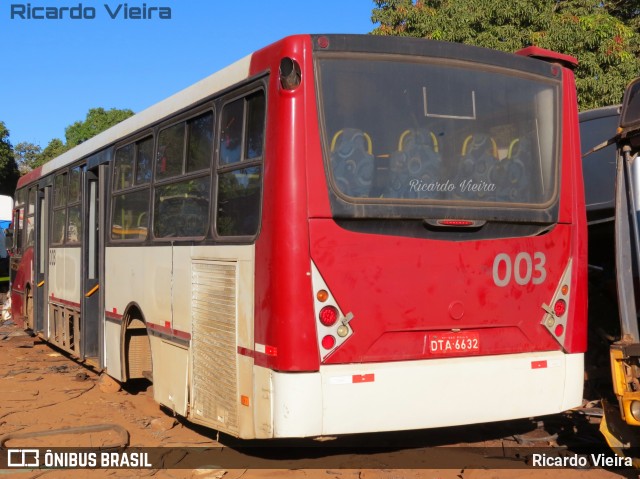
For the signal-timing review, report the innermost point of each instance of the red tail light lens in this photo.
(559, 330)
(328, 316)
(560, 307)
(328, 342)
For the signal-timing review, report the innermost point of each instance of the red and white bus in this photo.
(336, 234)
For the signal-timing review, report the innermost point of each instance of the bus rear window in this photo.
(437, 133)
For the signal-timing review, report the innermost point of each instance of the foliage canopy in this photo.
(8, 169)
(29, 156)
(603, 35)
(97, 120)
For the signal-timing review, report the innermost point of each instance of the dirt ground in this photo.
(42, 390)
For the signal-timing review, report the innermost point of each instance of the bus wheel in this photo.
(137, 351)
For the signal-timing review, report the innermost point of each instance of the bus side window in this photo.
(200, 145)
(231, 133)
(144, 158)
(240, 166)
(133, 167)
(74, 216)
(17, 230)
(123, 177)
(181, 207)
(170, 151)
(59, 209)
(130, 218)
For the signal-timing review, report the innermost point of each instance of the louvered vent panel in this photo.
(213, 306)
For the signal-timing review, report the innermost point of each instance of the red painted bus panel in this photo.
(19, 287)
(401, 290)
(283, 301)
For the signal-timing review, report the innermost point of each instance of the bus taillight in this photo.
(328, 316)
(556, 317)
(560, 307)
(322, 295)
(328, 342)
(332, 326)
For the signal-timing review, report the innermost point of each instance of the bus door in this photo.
(40, 262)
(91, 304)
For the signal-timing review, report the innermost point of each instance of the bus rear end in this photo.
(446, 241)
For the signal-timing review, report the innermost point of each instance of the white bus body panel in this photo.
(221, 303)
(182, 290)
(63, 287)
(424, 394)
(135, 275)
(113, 363)
(64, 274)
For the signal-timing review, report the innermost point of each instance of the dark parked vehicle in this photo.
(599, 170)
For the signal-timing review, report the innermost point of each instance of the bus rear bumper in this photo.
(358, 398)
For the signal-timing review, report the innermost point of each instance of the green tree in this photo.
(55, 148)
(8, 169)
(27, 156)
(603, 35)
(97, 120)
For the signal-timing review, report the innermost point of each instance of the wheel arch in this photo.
(136, 358)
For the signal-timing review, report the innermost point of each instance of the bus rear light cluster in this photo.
(332, 325)
(328, 342)
(555, 318)
(329, 316)
(322, 295)
(560, 307)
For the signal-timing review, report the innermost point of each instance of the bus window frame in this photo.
(114, 191)
(258, 85)
(344, 206)
(201, 110)
(59, 207)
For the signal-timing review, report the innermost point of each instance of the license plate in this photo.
(466, 342)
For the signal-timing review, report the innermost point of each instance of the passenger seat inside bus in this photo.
(416, 165)
(479, 156)
(352, 162)
(510, 175)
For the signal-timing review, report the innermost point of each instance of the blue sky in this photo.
(54, 71)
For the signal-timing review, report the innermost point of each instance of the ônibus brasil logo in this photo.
(34, 458)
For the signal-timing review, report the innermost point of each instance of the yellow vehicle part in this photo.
(622, 376)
